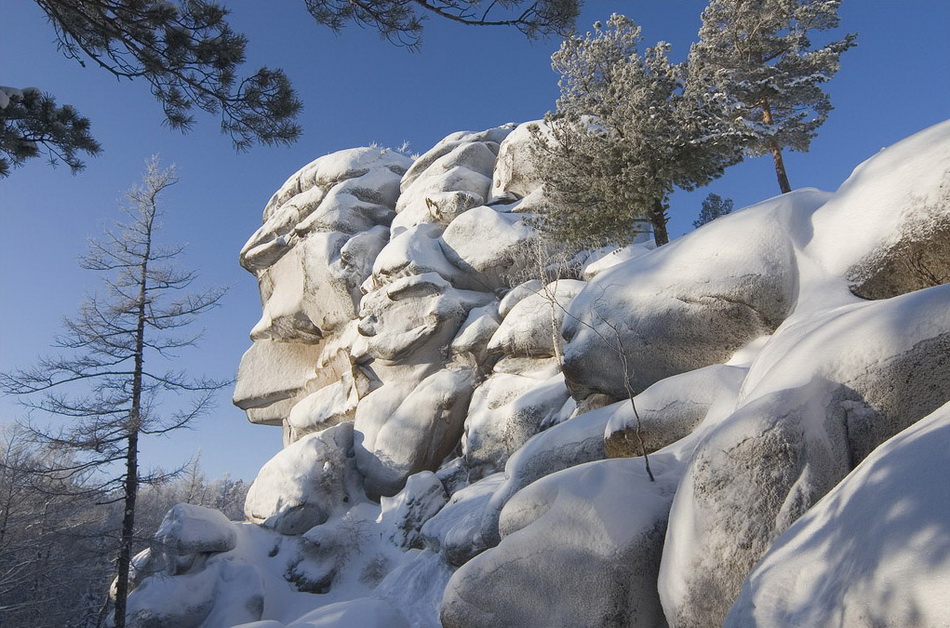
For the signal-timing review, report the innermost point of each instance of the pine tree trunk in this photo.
(776, 151)
(658, 220)
(780, 167)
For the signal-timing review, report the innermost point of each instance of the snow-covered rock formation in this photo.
(748, 425)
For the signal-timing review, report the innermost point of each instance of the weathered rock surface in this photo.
(420, 432)
(670, 410)
(507, 410)
(514, 176)
(848, 382)
(911, 258)
(873, 552)
(190, 529)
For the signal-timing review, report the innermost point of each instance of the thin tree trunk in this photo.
(658, 220)
(776, 151)
(128, 528)
(131, 484)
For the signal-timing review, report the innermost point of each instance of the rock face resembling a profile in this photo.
(479, 433)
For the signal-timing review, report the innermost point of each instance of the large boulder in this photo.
(532, 327)
(561, 565)
(412, 319)
(915, 256)
(225, 593)
(362, 612)
(192, 529)
(885, 227)
(419, 433)
(496, 247)
(515, 175)
(689, 304)
(304, 483)
(875, 551)
(508, 409)
(670, 410)
(824, 392)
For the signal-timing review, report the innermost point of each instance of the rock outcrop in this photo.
(480, 435)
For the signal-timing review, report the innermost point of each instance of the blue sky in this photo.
(358, 89)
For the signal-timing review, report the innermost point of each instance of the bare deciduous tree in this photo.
(104, 382)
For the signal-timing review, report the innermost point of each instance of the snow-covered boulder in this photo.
(332, 404)
(407, 511)
(466, 169)
(876, 227)
(411, 320)
(415, 588)
(914, 255)
(496, 247)
(470, 345)
(300, 486)
(415, 251)
(822, 394)
(532, 327)
(224, 593)
(455, 531)
(560, 564)
(362, 612)
(419, 433)
(689, 304)
(515, 175)
(670, 409)
(462, 150)
(875, 551)
(508, 409)
(190, 529)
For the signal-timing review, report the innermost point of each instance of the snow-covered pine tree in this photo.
(756, 57)
(623, 136)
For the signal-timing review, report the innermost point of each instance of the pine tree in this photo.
(106, 383)
(623, 136)
(189, 55)
(400, 21)
(30, 120)
(714, 206)
(757, 58)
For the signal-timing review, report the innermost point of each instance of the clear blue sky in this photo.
(359, 89)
